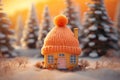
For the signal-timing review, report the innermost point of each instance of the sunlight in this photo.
(15, 5)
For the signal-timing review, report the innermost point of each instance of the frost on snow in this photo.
(98, 12)
(93, 54)
(102, 38)
(93, 28)
(92, 36)
(91, 44)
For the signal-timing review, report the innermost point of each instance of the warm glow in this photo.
(14, 8)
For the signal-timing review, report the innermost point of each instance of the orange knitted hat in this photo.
(61, 38)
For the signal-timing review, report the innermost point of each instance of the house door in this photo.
(61, 63)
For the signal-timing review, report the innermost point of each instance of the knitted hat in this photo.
(61, 39)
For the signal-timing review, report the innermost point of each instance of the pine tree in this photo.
(117, 19)
(99, 35)
(19, 31)
(73, 15)
(30, 34)
(45, 27)
(6, 48)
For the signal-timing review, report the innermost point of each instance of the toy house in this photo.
(61, 46)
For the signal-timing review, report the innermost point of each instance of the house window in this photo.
(61, 55)
(73, 59)
(50, 59)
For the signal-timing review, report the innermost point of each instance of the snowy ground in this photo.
(32, 73)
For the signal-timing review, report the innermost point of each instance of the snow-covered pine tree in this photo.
(45, 27)
(6, 48)
(99, 35)
(73, 15)
(19, 31)
(30, 33)
(117, 18)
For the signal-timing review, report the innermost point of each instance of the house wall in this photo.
(56, 55)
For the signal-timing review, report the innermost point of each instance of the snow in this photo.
(44, 32)
(35, 27)
(31, 41)
(92, 19)
(86, 40)
(93, 54)
(98, 12)
(91, 5)
(30, 72)
(91, 44)
(113, 36)
(104, 17)
(3, 49)
(93, 28)
(32, 53)
(2, 35)
(36, 33)
(102, 38)
(106, 27)
(86, 31)
(92, 36)
(31, 35)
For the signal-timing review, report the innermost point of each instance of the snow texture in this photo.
(102, 38)
(92, 36)
(91, 44)
(92, 19)
(2, 35)
(31, 35)
(86, 31)
(93, 54)
(91, 5)
(113, 37)
(4, 49)
(98, 12)
(93, 28)
(104, 17)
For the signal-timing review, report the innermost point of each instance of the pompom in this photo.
(60, 21)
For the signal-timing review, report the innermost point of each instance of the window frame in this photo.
(73, 59)
(50, 59)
